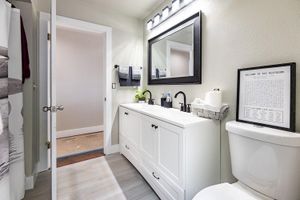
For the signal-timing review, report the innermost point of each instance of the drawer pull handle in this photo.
(127, 147)
(154, 126)
(126, 113)
(153, 174)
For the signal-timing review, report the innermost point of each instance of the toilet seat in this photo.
(226, 191)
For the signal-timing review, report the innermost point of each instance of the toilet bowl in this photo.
(265, 161)
(226, 191)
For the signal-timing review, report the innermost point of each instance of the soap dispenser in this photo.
(166, 100)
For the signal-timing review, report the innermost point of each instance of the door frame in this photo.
(91, 27)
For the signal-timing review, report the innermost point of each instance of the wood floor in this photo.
(67, 160)
(106, 178)
(79, 143)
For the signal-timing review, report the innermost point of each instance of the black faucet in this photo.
(184, 107)
(150, 101)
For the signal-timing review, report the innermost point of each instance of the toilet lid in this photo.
(224, 191)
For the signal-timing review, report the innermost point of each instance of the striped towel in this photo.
(5, 13)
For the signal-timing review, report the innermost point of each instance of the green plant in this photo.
(139, 96)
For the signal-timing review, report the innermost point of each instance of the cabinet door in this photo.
(130, 125)
(170, 152)
(148, 145)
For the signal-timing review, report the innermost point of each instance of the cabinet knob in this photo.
(153, 174)
(127, 147)
(154, 126)
(125, 113)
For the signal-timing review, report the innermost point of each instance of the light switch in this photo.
(113, 85)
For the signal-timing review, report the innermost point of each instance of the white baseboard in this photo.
(79, 131)
(112, 149)
(29, 182)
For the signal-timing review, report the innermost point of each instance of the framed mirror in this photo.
(174, 56)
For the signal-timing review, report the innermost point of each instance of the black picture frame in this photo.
(292, 123)
(197, 78)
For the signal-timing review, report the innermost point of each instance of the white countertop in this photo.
(169, 115)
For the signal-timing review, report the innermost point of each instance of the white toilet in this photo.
(266, 163)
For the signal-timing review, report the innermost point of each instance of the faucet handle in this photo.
(151, 101)
(188, 109)
(181, 107)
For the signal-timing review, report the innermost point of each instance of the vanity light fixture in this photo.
(165, 13)
(175, 5)
(156, 19)
(149, 24)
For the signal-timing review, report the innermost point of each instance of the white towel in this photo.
(1, 125)
(5, 13)
(125, 70)
(16, 169)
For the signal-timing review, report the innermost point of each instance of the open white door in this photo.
(53, 107)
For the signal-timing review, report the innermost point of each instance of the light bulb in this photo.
(149, 24)
(165, 12)
(156, 19)
(175, 5)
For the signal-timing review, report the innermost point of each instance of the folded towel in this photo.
(158, 73)
(129, 76)
(125, 70)
(5, 12)
(124, 73)
(3, 68)
(162, 73)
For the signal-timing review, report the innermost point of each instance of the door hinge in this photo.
(48, 36)
(48, 143)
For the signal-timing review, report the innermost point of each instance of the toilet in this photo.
(265, 161)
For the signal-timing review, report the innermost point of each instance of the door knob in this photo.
(53, 108)
(60, 108)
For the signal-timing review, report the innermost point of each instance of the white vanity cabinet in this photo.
(177, 153)
(130, 129)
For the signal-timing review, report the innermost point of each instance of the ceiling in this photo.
(133, 8)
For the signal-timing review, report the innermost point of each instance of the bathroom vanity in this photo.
(176, 152)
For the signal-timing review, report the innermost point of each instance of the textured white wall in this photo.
(80, 77)
(237, 34)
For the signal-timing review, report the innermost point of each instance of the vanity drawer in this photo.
(130, 125)
(130, 151)
(163, 187)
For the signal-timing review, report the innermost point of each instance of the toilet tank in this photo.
(265, 159)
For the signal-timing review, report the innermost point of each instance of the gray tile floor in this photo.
(132, 184)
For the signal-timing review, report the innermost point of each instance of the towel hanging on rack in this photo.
(129, 76)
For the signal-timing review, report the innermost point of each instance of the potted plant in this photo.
(139, 96)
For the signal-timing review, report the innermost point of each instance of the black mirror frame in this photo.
(197, 78)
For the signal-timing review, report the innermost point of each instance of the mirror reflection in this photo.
(172, 56)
